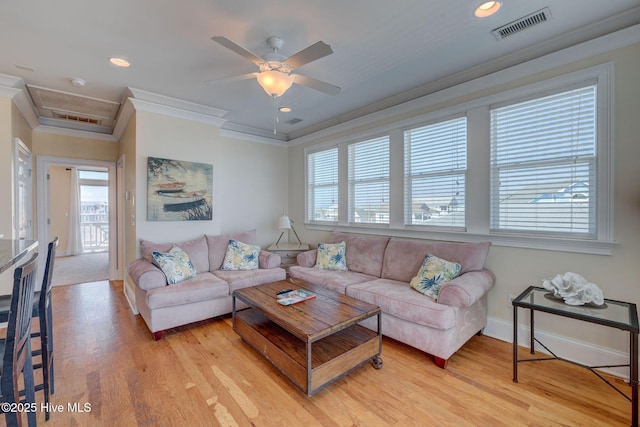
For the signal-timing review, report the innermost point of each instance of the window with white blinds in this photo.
(435, 166)
(543, 165)
(322, 185)
(368, 180)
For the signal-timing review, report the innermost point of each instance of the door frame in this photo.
(22, 149)
(43, 191)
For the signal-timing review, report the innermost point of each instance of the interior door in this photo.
(24, 194)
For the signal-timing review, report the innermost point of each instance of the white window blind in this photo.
(368, 177)
(435, 163)
(322, 185)
(543, 165)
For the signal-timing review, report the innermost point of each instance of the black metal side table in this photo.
(616, 314)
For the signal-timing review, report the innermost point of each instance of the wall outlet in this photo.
(510, 300)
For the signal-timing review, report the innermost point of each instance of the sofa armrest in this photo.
(269, 260)
(307, 258)
(146, 275)
(466, 289)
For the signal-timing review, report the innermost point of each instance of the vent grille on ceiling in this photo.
(523, 23)
(75, 118)
(293, 121)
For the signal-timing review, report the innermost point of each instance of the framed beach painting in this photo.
(179, 190)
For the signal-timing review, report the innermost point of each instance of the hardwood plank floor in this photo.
(204, 375)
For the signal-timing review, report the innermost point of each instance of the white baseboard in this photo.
(567, 348)
(131, 299)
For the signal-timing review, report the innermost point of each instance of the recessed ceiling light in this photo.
(487, 8)
(284, 109)
(76, 81)
(119, 62)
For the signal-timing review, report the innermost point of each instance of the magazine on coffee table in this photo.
(295, 296)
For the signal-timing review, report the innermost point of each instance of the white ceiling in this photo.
(385, 52)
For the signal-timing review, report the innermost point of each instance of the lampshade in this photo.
(284, 223)
(274, 82)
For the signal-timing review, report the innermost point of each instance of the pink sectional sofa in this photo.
(204, 296)
(379, 271)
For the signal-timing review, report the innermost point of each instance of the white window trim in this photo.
(478, 192)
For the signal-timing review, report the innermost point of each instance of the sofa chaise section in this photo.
(379, 271)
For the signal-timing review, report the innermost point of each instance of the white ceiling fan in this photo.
(275, 75)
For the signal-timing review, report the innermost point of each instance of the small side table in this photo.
(617, 314)
(288, 253)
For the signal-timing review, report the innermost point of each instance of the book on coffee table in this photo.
(295, 296)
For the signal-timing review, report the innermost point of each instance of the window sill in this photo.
(595, 247)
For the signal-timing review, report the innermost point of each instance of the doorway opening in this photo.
(78, 207)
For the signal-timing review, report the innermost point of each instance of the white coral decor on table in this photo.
(574, 289)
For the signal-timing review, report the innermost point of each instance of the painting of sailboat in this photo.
(179, 190)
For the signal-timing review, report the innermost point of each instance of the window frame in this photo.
(308, 197)
(407, 178)
(352, 184)
(478, 172)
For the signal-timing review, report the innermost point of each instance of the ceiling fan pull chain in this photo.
(275, 113)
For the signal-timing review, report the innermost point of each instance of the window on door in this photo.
(94, 210)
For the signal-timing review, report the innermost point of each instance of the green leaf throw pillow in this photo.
(241, 256)
(433, 273)
(332, 256)
(175, 264)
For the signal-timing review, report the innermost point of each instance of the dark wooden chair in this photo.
(16, 347)
(42, 310)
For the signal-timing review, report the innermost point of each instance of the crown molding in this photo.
(161, 104)
(14, 88)
(122, 121)
(10, 81)
(75, 133)
(247, 133)
(591, 48)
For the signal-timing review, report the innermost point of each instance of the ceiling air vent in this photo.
(523, 23)
(293, 121)
(75, 118)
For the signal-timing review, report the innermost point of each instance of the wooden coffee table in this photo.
(314, 342)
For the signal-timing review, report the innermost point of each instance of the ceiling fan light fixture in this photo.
(487, 8)
(119, 62)
(274, 82)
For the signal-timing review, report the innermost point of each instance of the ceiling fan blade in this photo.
(233, 78)
(231, 45)
(316, 84)
(313, 52)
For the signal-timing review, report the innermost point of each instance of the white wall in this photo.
(250, 179)
(618, 274)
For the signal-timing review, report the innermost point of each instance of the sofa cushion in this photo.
(400, 300)
(331, 256)
(202, 287)
(217, 246)
(241, 256)
(364, 253)
(175, 265)
(196, 249)
(433, 273)
(403, 257)
(238, 279)
(334, 280)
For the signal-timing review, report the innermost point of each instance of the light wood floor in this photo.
(204, 375)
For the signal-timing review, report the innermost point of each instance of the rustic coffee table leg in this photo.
(376, 361)
(309, 388)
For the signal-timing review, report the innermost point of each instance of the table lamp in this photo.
(286, 224)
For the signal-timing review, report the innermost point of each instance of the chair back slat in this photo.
(19, 326)
(45, 292)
